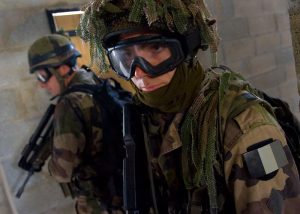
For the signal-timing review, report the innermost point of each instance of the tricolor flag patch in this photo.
(266, 159)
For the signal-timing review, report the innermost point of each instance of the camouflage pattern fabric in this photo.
(79, 155)
(86, 206)
(237, 191)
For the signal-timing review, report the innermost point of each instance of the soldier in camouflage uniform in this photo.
(215, 145)
(78, 150)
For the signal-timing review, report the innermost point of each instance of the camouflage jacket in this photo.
(237, 190)
(79, 154)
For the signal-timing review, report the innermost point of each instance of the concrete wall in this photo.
(21, 22)
(255, 41)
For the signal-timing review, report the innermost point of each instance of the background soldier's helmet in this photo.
(51, 51)
(102, 17)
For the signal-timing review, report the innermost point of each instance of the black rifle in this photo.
(37, 151)
(142, 191)
(137, 182)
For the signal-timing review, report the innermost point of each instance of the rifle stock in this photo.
(37, 151)
(136, 185)
(129, 185)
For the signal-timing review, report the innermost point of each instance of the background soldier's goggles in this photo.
(155, 54)
(43, 75)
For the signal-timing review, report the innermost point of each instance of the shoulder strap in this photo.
(85, 88)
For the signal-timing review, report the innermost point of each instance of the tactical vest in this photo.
(223, 95)
(100, 176)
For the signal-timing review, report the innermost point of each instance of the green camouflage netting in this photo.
(103, 16)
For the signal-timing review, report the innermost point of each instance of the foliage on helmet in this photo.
(105, 16)
(51, 51)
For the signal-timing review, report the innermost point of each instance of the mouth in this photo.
(150, 88)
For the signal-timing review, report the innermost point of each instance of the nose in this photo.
(139, 72)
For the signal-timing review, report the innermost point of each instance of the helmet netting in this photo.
(104, 16)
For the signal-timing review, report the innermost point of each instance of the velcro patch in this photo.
(265, 159)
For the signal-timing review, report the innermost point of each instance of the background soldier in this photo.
(79, 154)
(211, 139)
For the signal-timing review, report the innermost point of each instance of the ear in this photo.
(63, 70)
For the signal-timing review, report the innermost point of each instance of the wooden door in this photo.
(68, 22)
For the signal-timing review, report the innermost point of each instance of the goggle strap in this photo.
(193, 41)
(49, 74)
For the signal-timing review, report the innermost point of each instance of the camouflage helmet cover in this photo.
(51, 51)
(106, 16)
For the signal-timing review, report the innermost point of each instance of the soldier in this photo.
(212, 139)
(78, 150)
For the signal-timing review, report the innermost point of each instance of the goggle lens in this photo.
(154, 54)
(43, 76)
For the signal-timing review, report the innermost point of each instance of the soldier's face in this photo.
(146, 83)
(143, 80)
(51, 85)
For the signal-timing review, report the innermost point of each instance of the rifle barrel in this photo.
(21, 189)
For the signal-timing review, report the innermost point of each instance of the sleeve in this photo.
(68, 142)
(275, 192)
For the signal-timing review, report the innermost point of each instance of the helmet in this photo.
(51, 51)
(103, 20)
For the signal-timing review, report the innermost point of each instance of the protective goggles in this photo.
(43, 75)
(154, 54)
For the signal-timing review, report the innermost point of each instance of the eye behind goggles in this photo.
(43, 75)
(155, 54)
(179, 46)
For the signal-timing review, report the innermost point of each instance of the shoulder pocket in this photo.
(253, 117)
